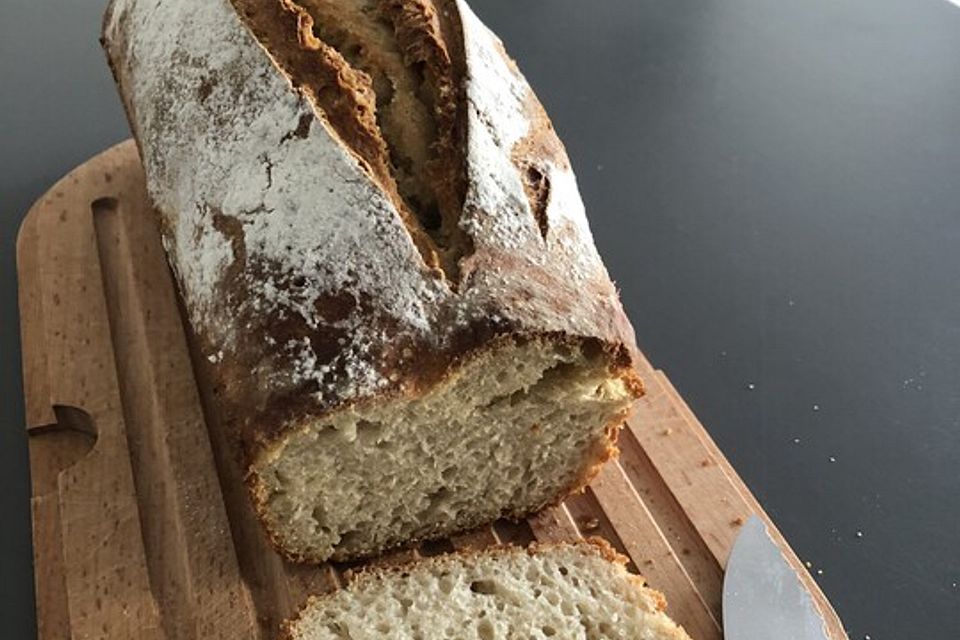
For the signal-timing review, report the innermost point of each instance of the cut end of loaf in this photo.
(577, 590)
(512, 429)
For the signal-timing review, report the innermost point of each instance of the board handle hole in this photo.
(60, 445)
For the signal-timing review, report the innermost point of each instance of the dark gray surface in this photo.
(774, 186)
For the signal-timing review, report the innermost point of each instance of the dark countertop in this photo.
(776, 188)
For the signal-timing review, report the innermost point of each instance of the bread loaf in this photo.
(383, 255)
(562, 591)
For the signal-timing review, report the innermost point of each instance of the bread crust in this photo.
(306, 287)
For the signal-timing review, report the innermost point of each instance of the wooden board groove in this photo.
(691, 551)
(191, 569)
(142, 526)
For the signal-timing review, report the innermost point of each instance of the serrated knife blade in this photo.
(763, 598)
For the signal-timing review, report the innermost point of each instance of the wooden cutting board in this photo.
(141, 526)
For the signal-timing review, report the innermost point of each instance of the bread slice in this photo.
(562, 591)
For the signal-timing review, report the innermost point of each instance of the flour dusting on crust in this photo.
(300, 207)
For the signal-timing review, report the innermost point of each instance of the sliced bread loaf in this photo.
(383, 257)
(562, 591)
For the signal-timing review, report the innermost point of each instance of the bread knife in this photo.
(763, 598)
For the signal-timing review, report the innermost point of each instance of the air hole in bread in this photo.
(485, 630)
(446, 584)
(350, 537)
(486, 587)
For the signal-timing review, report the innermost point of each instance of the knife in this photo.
(763, 597)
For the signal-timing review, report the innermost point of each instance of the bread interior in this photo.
(504, 434)
(558, 592)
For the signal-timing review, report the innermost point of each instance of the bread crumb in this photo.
(666, 431)
(737, 522)
(705, 462)
(589, 524)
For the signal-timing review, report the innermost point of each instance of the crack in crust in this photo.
(387, 76)
(535, 154)
(430, 35)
